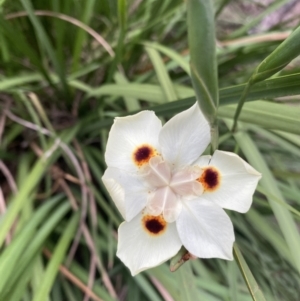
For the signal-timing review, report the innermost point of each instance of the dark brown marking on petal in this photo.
(154, 225)
(210, 179)
(143, 154)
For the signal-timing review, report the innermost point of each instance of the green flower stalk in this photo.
(201, 35)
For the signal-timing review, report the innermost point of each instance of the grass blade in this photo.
(57, 258)
(162, 74)
(41, 33)
(253, 287)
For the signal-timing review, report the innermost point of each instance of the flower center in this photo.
(168, 187)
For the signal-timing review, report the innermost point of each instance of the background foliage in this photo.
(66, 69)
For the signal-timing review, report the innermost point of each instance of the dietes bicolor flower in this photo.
(168, 194)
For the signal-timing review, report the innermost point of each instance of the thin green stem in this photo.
(240, 104)
(214, 131)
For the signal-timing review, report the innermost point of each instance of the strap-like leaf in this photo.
(253, 287)
(201, 34)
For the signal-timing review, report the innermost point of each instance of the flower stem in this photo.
(214, 131)
(179, 259)
(240, 104)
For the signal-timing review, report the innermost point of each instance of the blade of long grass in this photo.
(147, 288)
(275, 138)
(277, 60)
(35, 244)
(57, 258)
(18, 201)
(188, 289)
(43, 37)
(21, 288)
(142, 91)
(10, 256)
(295, 139)
(162, 74)
(82, 274)
(262, 225)
(122, 19)
(233, 280)
(20, 43)
(38, 273)
(268, 115)
(132, 104)
(81, 35)
(252, 285)
(176, 57)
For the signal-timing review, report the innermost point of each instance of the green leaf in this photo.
(261, 224)
(176, 57)
(57, 258)
(277, 87)
(279, 58)
(122, 14)
(81, 35)
(19, 42)
(147, 92)
(188, 290)
(33, 245)
(268, 115)
(253, 287)
(132, 104)
(162, 74)
(18, 201)
(201, 36)
(9, 83)
(45, 41)
(11, 254)
(147, 288)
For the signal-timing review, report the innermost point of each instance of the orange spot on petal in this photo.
(210, 179)
(143, 154)
(154, 225)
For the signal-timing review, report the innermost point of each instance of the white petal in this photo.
(203, 161)
(128, 191)
(184, 137)
(205, 229)
(128, 134)
(238, 182)
(140, 251)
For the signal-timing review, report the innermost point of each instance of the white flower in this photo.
(168, 195)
